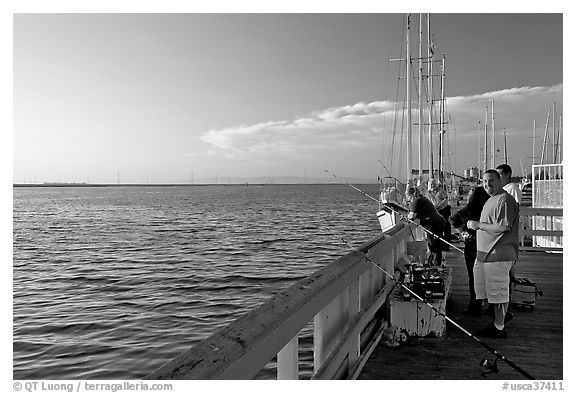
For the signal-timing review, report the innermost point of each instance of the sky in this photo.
(164, 98)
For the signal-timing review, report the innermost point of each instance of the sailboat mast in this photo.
(493, 150)
(534, 142)
(560, 139)
(505, 151)
(486, 142)
(556, 134)
(430, 133)
(545, 139)
(408, 105)
(553, 144)
(442, 121)
(479, 142)
(420, 114)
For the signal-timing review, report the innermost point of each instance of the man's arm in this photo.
(494, 229)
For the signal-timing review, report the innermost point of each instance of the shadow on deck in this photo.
(534, 340)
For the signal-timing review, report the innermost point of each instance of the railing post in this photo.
(353, 310)
(287, 367)
(329, 324)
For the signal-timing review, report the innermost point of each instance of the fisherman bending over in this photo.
(421, 208)
(439, 197)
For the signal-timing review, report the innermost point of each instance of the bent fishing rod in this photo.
(414, 294)
(394, 211)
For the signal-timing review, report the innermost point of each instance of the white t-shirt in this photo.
(513, 189)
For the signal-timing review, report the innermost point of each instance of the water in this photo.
(113, 282)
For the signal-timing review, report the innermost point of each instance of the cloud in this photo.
(363, 124)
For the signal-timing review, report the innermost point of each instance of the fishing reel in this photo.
(492, 367)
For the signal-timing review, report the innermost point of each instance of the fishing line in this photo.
(485, 362)
(389, 174)
(393, 211)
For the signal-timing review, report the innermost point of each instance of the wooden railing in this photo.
(342, 299)
(543, 226)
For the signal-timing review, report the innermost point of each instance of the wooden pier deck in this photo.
(534, 342)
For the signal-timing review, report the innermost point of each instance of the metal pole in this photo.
(420, 114)
(430, 94)
(534, 143)
(442, 121)
(486, 142)
(409, 106)
(553, 144)
(543, 156)
(493, 138)
(505, 151)
(479, 143)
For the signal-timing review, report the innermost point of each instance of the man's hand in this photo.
(474, 225)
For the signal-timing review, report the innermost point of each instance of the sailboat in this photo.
(392, 197)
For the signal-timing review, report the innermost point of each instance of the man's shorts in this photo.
(492, 281)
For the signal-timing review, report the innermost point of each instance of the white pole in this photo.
(431, 102)
(560, 140)
(543, 156)
(486, 142)
(493, 139)
(505, 149)
(479, 143)
(442, 121)
(553, 144)
(420, 114)
(534, 142)
(409, 106)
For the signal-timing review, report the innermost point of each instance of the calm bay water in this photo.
(113, 282)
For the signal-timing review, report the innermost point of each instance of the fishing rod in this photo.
(485, 362)
(389, 174)
(394, 211)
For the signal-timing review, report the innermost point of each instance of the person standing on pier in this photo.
(423, 209)
(497, 251)
(509, 186)
(459, 219)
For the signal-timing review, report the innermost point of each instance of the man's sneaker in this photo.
(491, 331)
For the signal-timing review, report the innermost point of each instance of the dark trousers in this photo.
(445, 212)
(470, 258)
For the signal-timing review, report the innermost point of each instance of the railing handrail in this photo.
(245, 346)
(541, 211)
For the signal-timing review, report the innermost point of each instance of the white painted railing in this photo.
(544, 225)
(341, 299)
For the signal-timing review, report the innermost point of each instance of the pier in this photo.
(348, 303)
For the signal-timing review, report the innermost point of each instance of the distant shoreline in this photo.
(27, 185)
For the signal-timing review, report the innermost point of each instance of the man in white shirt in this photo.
(510, 187)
